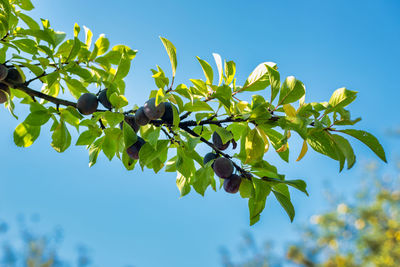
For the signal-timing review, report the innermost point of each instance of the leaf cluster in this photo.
(70, 67)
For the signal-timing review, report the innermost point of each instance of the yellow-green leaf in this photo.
(171, 51)
(303, 151)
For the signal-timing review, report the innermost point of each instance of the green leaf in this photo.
(76, 46)
(26, 5)
(94, 151)
(201, 86)
(110, 144)
(87, 138)
(259, 78)
(341, 98)
(346, 149)
(113, 118)
(322, 143)
(183, 184)
(26, 45)
(298, 184)
(61, 138)
(25, 134)
(218, 61)
(40, 35)
(254, 147)
(246, 188)
(75, 87)
(208, 71)
(171, 51)
(197, 106)
(285, 203)
(37, 118)
(88, 37)
(100, 47)
(77, 29)
(274, 80)
(130, 136)
(277, 141)
(118, 101)
(176, 118)
(202, 179)
(230, 71)
(369, 140)
(159, 78)
(123, 67)
(171, 164)
(31, 23)
(224, 94)
(257, 202)
(184, 164)
(128, 162)
(291, 91)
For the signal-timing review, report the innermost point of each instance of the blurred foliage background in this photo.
(361, 232)
(22, 244)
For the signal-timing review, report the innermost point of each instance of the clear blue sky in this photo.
(137, 217)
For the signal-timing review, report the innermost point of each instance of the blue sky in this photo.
(137, 217)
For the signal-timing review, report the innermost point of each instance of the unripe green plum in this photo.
(168, 116)
(14, 77)
(152, 111)
(87, 104)
(133, 150)
(103, 99)
(3, 72)
(208, 157)
(217, 141)
(223, 167)
(141, 118)
(3, 90)
(130, 119)
(232, 184)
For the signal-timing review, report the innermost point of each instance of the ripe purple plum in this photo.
(133, 150)
(4, 90)
(14, 77)
(168, 116)
(152, 111)
(87, 104)
(232, 184)
(131, 120)
(103, 99)
(217, 141)
(3, 72)
(223, 167)
(141, 118)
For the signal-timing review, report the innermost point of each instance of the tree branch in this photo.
(55, 100)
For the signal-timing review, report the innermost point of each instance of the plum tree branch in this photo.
(33, 93)
(55, 100)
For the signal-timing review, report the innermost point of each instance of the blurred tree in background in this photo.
(27, 247)
(365, 233)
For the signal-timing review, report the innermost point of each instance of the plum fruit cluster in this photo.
(223, 167)
(143, 115)
(149, 111)
(88, 103)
